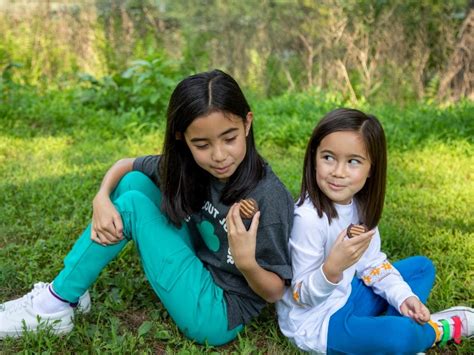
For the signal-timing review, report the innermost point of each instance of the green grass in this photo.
(54, 153)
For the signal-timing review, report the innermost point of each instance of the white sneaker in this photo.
(83, 305)
(18, 315)
(465, 314)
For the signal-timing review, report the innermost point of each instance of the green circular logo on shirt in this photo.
(207, 233)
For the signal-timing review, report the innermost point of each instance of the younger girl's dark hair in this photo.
(370, 199)
(184, 185)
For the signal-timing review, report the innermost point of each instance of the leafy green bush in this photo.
(145, 85)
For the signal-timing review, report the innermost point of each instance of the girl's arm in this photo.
(242, 243)
(107, 227)
(264, 283)
(412, 307)
(345, 253)
(318, 273)
(309, 236)
(377, 272)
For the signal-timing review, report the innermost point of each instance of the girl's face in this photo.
(218, 142)
(342, 165)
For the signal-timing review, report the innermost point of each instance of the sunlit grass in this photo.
(429, 211)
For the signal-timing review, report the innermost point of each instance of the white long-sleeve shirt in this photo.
(305, 309)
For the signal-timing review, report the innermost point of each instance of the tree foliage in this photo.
(368, 49)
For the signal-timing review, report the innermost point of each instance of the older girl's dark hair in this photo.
(184, 185)
(371, 198)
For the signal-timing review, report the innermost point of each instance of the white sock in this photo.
(45, 302)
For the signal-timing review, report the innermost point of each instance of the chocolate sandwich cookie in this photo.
(248, 208)
(355, 230)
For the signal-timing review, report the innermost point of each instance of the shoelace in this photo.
(28, 298)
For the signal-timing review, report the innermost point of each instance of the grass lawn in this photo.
(53, 155)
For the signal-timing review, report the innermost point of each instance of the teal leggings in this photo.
(177, 275)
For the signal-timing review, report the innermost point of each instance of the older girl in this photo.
(211, 269)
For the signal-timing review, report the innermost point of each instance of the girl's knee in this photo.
(426, 266)
(133, 179)
(420, 263)
(137, 181)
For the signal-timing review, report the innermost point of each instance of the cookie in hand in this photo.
(248, 208)
(355, 230)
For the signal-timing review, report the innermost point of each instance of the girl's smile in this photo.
(335, 187)
(342, 165)
(218, 142)
(222, 170)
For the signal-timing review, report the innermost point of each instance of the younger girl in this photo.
(328, 309)
(211, 269)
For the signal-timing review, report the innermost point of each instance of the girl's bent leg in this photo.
(87, 258)
(358, 326)
(137, 181)
(385, 334)
(178, 277)
(83, 265)
(185, 287)
(419, 273)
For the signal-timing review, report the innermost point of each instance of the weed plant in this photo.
(54, 152)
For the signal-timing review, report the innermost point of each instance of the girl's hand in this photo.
(345, 253)
(242, 242)
(107, 227)
(412, 307)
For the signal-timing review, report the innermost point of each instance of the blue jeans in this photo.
(368, 324)
(185, 287)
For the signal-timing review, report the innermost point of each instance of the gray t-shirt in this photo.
(209, 233)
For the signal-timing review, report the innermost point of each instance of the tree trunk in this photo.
(457, 81)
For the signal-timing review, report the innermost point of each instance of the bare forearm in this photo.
(332, 273)
(264, 283)
(114, 174)
(242, 243)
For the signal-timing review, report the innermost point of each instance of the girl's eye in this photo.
(201, 147)
(354, 161)
(328, 157)
(231, 139)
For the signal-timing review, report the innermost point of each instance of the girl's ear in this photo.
(248, 122)
(178, 136)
